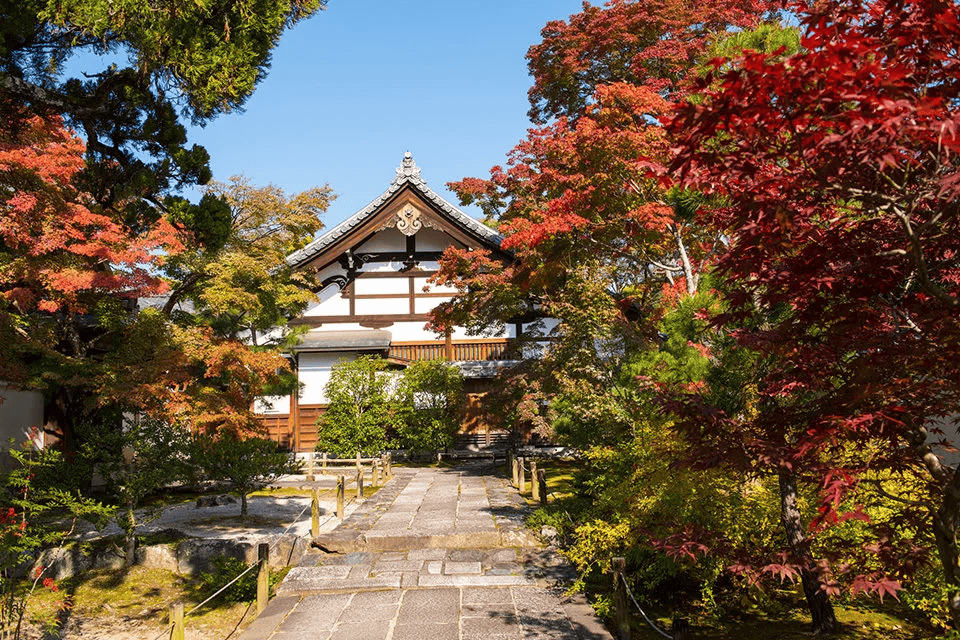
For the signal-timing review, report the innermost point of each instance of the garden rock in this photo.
(550, 535)
(196, 555)
(62, 563)
(159, 556)
(215, 501)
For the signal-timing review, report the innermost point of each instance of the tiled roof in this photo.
(407, 173)
(349, 340)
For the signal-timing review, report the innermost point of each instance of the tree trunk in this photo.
(818, 602)
(945, 533)
(131, 538)
(946, 517)
(243, 504)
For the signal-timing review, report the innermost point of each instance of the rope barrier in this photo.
(166, 630)
(649, 622)
(240, 575)
(245, 612)
(222, 589)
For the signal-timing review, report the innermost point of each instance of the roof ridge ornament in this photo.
(408, 170)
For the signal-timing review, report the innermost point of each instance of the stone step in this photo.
(344, 541)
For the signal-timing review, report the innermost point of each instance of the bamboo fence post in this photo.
(341, 481)
(263, 577)
(176, 619)
(315, 513)
(542, 483)
(622, 620)
(534, 485)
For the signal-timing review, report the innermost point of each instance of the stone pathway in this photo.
(435, 554)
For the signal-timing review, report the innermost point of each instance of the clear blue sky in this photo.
(354, 87)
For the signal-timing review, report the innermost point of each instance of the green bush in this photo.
(372, 408)
(430, 394)
(225, 569)
(362, 415)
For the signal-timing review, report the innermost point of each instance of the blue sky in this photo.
(353, 88)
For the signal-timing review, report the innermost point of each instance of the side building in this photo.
(374, 298)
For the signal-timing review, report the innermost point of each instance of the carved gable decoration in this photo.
(408, 220)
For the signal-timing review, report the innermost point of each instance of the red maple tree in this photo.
(839, 166)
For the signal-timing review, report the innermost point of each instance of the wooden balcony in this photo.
(484, 349)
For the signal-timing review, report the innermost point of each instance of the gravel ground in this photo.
(267, 515)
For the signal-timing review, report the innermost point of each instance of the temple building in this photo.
(374, 298)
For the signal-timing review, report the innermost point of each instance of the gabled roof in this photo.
(408, 174)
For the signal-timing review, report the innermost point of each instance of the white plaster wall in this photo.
(426, 305)
(421, 285)
(432, 240)
(387, 240)
(367, 286)
(315, 374)
(331, 303)
(19, 412)
(411, 332)
(379, 306)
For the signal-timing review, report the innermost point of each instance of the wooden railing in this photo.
(489, 349)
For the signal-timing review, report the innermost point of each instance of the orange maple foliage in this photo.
(58, 246)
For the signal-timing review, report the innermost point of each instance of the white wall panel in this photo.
(387, 240)
(332, 303)
(380, 306)
(432, 240)
(314, 372)
(419, 284)
(365, 286)
(411, 332)
(426, 305)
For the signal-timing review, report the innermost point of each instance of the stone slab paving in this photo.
(434, 554)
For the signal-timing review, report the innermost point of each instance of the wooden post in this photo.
(542, 483)
(375, 474)
(534, 485)
(514, 470)
(358, 462)
(311, 471)
(621, 613)
(389, 470)
(315, 513)
(360, 482)
(176, 619)
(523, 475)
(324, 462)
(263, 577)
(341, 481)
